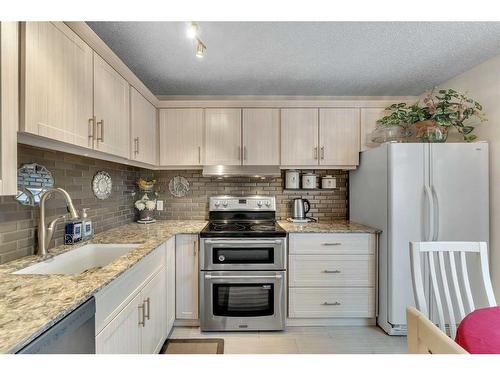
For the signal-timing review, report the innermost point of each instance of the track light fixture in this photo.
(200, 49)
(192, 31)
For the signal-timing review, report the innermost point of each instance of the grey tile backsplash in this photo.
(18, 224)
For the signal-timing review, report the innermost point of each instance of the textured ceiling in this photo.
(300, 58)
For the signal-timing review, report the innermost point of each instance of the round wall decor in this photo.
(102, 185)
(178, 186)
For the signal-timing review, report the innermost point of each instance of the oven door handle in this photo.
(247, 242)
(209, 277)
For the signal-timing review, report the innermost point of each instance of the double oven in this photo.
(242, 266)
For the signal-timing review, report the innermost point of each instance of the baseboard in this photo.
(339, 322)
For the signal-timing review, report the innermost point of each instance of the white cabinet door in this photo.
(111, 110)
(9, 110)
(369, 117)
(170, 284)
(153, 298)
(339, 136)
(143, 128)
(299, 136)
(56, 83)
(223, 136)
(186, 262)
(123, 334)
(181, 136)
(261, 136)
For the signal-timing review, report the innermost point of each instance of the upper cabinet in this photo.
(181, 137)
(143, 128)
(9, 110)
(56, 84)
(299, 136)
(111, 110)
(261, 136)
(369, 117)
(339, 136)
(223, 136)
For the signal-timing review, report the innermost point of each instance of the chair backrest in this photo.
(442, 259)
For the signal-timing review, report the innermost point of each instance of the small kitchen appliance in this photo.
(242, 266)
(301, 207)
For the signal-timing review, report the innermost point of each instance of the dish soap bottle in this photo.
(87, 231)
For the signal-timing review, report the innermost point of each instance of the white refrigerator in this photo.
(418, 192)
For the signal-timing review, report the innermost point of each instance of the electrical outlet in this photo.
(159, 205)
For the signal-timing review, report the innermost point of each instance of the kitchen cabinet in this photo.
(170, 284)
(332, 275)
(111, 110)
(56, 84)
(9, 110)
(123, 334)
(299, 136)
(181, 136)
(186, 274)
(369, 117)
(155, 314)
(223, 136)
(261, 136)
(339, 136)
(143, 121)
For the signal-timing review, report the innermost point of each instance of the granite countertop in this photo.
(335, 226)
(30, 304)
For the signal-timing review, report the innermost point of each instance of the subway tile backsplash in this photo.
(18, 224)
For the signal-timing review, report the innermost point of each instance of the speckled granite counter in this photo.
(337, 226)
(30, 304)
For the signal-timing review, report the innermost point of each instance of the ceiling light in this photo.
(192, 30)
(200, 49)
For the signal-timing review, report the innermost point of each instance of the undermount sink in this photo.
(82, 259)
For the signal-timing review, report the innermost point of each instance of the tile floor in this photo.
(304, 340)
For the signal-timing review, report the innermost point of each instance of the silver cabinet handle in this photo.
(142, 319)
(101, 132)
(243, 242)
(239, 152)
(199, 154)
(194, 248)
(208, 277)
(138, 142)
(315, 153)
(331, 303)
(147, 302)
(322, 152)
(331, 271)
(91, 128)
(331, 243)
(136, 145)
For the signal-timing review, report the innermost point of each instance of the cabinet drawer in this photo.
(332, 270)
(332, 302)
(115, 296)
(331, 243)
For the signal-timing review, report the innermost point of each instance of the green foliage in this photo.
(448, 108)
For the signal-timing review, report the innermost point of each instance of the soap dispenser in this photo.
(87, 231)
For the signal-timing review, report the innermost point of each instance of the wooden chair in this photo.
(442, 261)
(425, 338)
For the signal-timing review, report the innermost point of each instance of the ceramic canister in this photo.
(328, 182)
(292, 179)
(309, 181)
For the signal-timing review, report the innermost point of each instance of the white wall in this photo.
(483, 84)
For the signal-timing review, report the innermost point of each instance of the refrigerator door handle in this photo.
(430, 198)
(435, 214)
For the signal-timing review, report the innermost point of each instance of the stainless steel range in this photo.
(242, 266)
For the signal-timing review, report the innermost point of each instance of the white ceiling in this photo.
(300, 58)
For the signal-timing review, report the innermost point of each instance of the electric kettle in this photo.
(300, 208)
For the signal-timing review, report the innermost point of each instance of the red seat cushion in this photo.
(479, 332)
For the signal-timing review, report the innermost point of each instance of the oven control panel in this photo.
(250, 203)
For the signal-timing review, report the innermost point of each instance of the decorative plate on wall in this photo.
(178, 186)
(102, 185)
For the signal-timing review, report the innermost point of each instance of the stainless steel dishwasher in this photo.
(74, 334)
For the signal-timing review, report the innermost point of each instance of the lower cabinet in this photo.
(170, 284)
(332, 275)
(154, 314)
(187, 271)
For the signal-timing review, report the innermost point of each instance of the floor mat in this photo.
(193, 346)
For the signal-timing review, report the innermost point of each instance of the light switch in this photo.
(159, 205)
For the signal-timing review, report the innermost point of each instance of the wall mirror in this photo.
(32, 181)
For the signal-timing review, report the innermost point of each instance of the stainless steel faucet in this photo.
(45, 233)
